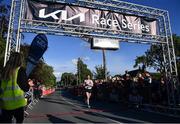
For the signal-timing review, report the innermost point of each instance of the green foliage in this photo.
(2, 52)
(100, 72)
(156, 76)
(4, 17)
(68, 79)
(82, 71)
(24, 50)
(154, 56)
(177, 45)
(140, 60)
(177, 51)
(44, 73)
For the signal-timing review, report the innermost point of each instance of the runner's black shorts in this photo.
(88, 90)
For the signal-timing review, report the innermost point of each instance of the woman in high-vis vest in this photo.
(12, 100)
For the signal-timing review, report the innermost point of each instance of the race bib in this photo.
(88, 87)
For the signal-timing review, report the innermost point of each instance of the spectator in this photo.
(39, 89)
(143, 88)
(147, 88)
(127, 83)
(163, 91)
(13, 84)
(95, 90)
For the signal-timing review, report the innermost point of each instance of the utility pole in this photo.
(104, 64)
(79, 71)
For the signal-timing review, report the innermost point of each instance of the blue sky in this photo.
(63, 51)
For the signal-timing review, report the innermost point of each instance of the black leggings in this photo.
(18, 114)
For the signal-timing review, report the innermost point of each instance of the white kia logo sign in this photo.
(95, 20)
(91, 17)
(63, 17)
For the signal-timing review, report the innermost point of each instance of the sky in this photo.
(63, 51)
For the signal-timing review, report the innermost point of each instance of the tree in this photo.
(177, 45)
(177, 51)
(154, 56)
(100, 72)
(4, 14)
(2, 52)
(68, 79)
(141, 60)
(44, 73)
(24, 51)
(82, 71)
(4, 17)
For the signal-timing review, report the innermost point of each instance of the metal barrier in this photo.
(30, 100)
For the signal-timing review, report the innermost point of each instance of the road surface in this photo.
(62, 107)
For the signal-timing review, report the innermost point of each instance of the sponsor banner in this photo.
(76, 15)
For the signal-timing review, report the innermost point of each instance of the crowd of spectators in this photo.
(129, 90)
(36, 88)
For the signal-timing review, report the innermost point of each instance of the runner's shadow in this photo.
(54, 119)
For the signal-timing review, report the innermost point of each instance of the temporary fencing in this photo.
(31, 100)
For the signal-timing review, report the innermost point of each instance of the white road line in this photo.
(71, 103)
(120, 117)
(131, 119)
(114, 121)
(85, 110)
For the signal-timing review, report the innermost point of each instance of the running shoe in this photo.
(89, 106)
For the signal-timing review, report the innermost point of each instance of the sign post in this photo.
(104, 64)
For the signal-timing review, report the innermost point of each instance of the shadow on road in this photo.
(118, 119)
(103, 105)
(122, 114)
(54, 101)
(54, 119)
(88, 120)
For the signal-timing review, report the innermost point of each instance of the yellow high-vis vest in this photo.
(11, 95)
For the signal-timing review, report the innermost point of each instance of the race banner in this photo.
(76, 15)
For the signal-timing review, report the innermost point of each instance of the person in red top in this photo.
(88, 83)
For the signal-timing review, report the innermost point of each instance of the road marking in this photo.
(86, 110)
(45, 115)
(114, 121)
(71, 103)
(93, 110)
(133, 120)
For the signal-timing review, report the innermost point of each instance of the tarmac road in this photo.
(62, 107)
